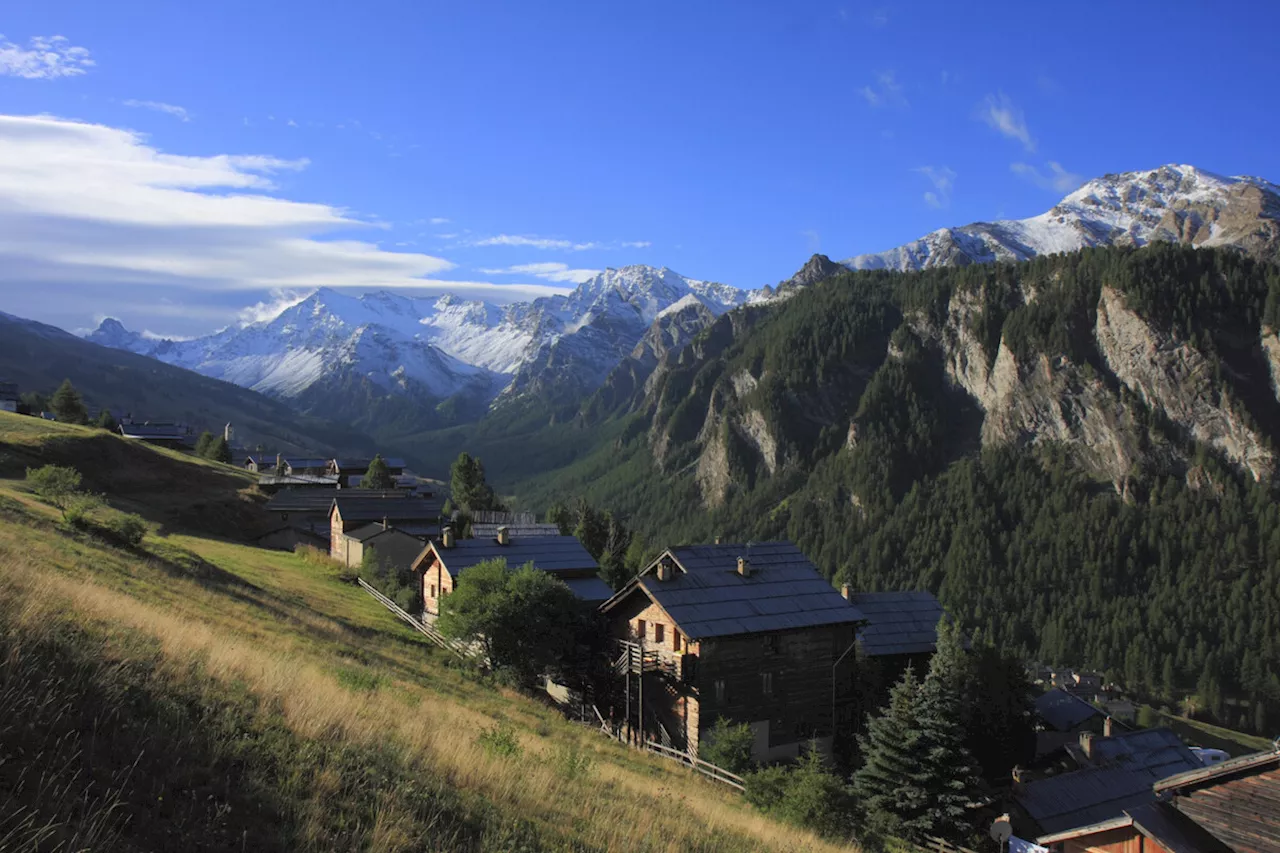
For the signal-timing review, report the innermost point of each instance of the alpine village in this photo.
(971, 545)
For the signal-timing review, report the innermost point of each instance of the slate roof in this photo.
(482, 530)
(304, 462)
(359, 463)
(591, 590)
(359, 507)
(1083, 797)
(1159, 821)
(708, 598)
(319, 500)
(549, 553)
(1064, 711)
(368, 531)
(395, 546)
(899, 623)
(1152, 753)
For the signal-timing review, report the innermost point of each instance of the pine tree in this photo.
(106, 421)
(202, 444)
(378, 476)
(888, 783)
(68, 405)
(469, 490)
(219, 450)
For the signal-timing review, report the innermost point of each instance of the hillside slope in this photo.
(199, 694)
(38, 357)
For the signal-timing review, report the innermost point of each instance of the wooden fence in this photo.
(706, 768)
(462, 650)
(932, 844)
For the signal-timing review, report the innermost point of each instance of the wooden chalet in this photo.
(350, 510)
(1232, 807)
(901, 630)
(391, 545)
(751, 633)
(441, 563)
(1063, 718)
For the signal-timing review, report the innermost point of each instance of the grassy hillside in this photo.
(200, 694)
(39, 357)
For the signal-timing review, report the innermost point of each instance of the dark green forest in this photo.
(1169, 581)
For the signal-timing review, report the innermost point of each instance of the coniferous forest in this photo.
(1165, 574)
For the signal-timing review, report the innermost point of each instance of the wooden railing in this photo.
(706, 768)
(462, 650)
(933, 844)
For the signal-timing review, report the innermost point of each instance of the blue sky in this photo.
(505, 149)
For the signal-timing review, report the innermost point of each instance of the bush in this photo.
(500, 741)
(729, 746)
(806, 794)
(78, 508)
(54, 483)
(128, 529)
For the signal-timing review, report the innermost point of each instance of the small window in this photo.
(766, 683)
(675, 641)
(658, 631)
(433, 590)
(719, 690)
(640, 628)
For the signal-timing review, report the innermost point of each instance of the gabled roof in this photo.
(706, 597)
(368, 531)
(163, 431)
(1064, 711)
(356, 507)
(1237, 801)
(1158, 821)
(549, 553)
(1083, 797)
(898, 623)
(362, 463)
(305, 462)
(1152, 753)
(319, 500)
(592, 590)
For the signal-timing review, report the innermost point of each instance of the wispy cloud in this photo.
(886, 91)
(160, 107)
(547, 243)
(943, 179)
(1003, 116)
(878, 18)
(549, 271)
(1057, 178)
(438, 220)
(93, 209)
(44, 58)
(278, 301)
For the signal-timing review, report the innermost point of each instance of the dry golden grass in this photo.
(339, 667)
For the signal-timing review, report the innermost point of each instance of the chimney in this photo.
(1108, 727)
(717, 540)
(1086, 744)
(845, 591)
(447, 537)
(504, 535)
(744, 567)
(664, 571)
(384, 523)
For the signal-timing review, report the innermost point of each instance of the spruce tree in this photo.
(68, 405)
(949, 772)
(219, 450)
(106, 421)
(378, 476)
(469, 490)
(888, 784)
(203, 442)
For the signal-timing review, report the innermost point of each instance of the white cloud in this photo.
(279, 301)
(943, 179)
(548, 270)
(169, 109)
(438, 220)
(636, 244)
(999, 112)
(44, 58)
(1057, 178)
(886, 91)
(521, 241)
(96, 208)
(878, 18)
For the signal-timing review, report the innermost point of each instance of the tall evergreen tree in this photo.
(67, 404)
(219, 450)
(949, 772)
(378, 476)
(106, 421)
(467, 484)
(203, 443)
(560, 516)
(888, 784)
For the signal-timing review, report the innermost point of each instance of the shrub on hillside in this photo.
(127, 529)
(55, 483)
(729, 746)
(79, 509)
(806, 794)
(500, 741)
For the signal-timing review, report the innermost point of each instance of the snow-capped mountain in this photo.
(437, 348)
(1172, 203)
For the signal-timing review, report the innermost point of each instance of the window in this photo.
(770, 644)
(675, 640)
(658, 631)
(766, 683)
(640, 628)
(433, 590)
(719, 689)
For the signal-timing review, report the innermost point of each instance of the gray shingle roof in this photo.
(591, 590)
(1083, 797)
(356, 507)
(899, 623)
(361, 463)
(1152, 753)
(486, 530)
(318, 500)
(1064, 711)
(368, 531)
(710, 599)
(549, 553)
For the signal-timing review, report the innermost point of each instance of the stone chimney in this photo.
(744, 567)
(504, 535)
(385, 525)
(1108, 727)
(446, 538)
(845, 591)
(1086, 744)
(664, 571)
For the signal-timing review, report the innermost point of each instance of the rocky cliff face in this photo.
(1271, 351)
